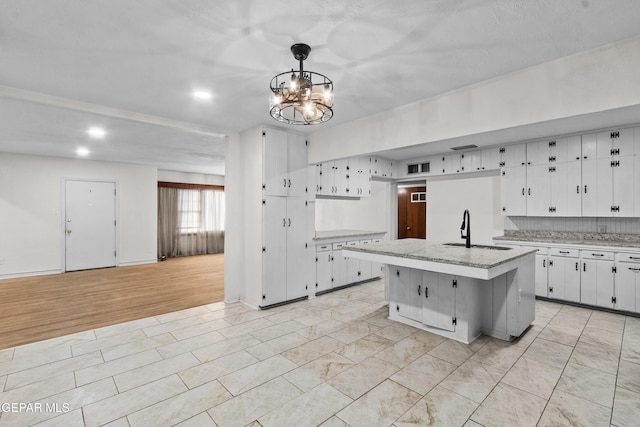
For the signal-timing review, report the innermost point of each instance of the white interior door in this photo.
(90, 225)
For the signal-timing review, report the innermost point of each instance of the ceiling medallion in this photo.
(301, 97)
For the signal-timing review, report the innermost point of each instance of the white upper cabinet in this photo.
(359, 176)
(285, 164)
(513, 155)
(608, 174)
(556, 150)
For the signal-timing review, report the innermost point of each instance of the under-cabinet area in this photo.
(595, 275)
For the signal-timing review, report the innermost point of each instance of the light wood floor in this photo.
(42, 307)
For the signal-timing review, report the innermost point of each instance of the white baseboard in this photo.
(140, 262)
(29, 274)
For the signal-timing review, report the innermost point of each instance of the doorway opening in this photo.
(412, 211)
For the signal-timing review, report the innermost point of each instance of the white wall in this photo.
(603, 79)
(190, 178)
(448, 198)
(368, 213)
(31, 236)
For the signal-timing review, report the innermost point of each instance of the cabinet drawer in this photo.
(353, 243)
(323, 248)
(365, 242)
(541, 250)
(566, 252)
(609, 256)
(628, 257)
(376, 240)
(338, 246)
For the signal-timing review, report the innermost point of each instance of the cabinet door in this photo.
(573, 150)
(538, 153)
(353, 267)
(541, 279)
(323, 271)
(604, 283)
(338, 266)
(512, 191)
(490, 159)
(341, 177)
(623, 185)
(274, 255)
(406, 292)
(538, 188)
(589, 147)
(439, 303)
(589, 188)
(515, 155)
(588, 282)
(297, 247)
(564, 278)
(565, 184)
(628, 287)
(296, 165)
(451, 163)
(636, 180)
(274, 149)
(467, 162)
(622, 142)
(604, 187)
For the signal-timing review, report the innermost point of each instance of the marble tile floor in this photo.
(335, 360)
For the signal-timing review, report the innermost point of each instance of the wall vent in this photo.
(464, 147)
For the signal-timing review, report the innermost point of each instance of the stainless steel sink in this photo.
(462, 245)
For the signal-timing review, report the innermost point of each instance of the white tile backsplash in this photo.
(582, 225)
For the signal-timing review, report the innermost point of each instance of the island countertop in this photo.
(483, 263)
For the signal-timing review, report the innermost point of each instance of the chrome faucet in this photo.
(466, 220)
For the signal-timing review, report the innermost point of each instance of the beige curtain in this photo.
(190, 222)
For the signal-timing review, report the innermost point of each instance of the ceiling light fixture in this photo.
(96, 132)
(301, 97)
(203, 95)
(82, 151)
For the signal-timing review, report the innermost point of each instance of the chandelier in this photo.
(301, 97)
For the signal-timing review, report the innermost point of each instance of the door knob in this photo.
(68, 231)
(408, 228)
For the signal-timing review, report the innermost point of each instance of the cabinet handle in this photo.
(284, 222)
(398, 273)
(529, 191)
(584, 266)
(289, 183)
(585, 189)
(289, 222)
(577, 189)
(426, 292)
(634, 257)
(544, 263)
(419, 290)
(564, 252)
(285, 182)
(576, 266)
(634, 269)
(523, 191)
(551, 263)
(329, 258)
(597, 254)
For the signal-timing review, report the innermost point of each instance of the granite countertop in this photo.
(440, 253)
(574, 238)
(335, 234)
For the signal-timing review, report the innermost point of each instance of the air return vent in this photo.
(464, 147)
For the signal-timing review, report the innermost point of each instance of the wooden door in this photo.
(412, 213)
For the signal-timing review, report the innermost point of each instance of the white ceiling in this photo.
(131, 66)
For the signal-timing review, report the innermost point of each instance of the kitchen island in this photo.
(454, 291)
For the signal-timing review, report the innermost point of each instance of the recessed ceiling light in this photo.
(96, 132)
(82, 151)
(202, 94)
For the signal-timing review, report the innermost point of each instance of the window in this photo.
(418, 197)
(200, 210)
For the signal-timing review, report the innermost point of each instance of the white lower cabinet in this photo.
(284, 249)
(600, 278)
(407, 292)
(597, 274)
(439, 302)
(323, 267)
(564, 274)
(628, 282)
(333, 270)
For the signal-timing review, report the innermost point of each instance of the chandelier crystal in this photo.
(301, 97)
